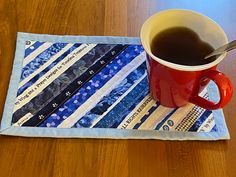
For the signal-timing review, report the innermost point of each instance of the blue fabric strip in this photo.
(137, 101)
(33, 47)
(124, 106)
(41, 59)
(36, 77)
(214, 129)
(93, 85)
(111, 98)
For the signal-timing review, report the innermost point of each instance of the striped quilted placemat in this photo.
(95, 87)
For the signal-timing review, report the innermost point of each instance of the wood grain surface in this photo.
(23, 157)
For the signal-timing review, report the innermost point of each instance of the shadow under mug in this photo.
(174, 85)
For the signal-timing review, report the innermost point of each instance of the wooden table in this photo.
(97, 157)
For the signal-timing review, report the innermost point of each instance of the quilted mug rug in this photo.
(95, 87)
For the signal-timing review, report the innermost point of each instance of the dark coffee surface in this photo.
(181, 45)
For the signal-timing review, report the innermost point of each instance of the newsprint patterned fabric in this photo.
(89, 85)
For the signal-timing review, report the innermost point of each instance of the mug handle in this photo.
(225, 88)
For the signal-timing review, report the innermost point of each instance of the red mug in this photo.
(174, 85)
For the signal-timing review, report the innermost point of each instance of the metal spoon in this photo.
(222, 49)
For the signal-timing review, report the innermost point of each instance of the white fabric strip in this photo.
(23, 119)
(54, 57)
(35, 53)
(207, 125)
(118, 100)
(156, 117)
(178, 116)
(137, 113)
(50, 76)
(107, 88)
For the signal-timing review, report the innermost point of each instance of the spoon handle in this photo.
(222, 49)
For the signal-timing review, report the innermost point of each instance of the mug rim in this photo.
(179, 66)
